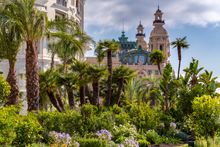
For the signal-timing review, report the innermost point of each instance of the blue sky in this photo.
(198, 20)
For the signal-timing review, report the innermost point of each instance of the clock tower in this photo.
(159, 38)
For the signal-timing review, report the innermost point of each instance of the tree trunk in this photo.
(82, 94)
(166, 101)
(153, 100)
(120, 88)
(95, 86)
(52, 61)
(59, 99)
(70, 98)
(88, 94)
(158, 65)
(179, 58)
(109, 82)
(53, 100)
(32, 82)
(11, 79)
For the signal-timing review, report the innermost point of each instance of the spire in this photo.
(140, 30)
(123, 26)
(158, 5)
(158, 17)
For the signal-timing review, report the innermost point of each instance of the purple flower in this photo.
(130, 142)
(104, 134)
(60, 138)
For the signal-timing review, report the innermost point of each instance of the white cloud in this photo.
(110, 14)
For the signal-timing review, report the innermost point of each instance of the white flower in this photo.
(173, 125)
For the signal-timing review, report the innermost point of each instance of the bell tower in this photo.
(141, 43)
(159, 38)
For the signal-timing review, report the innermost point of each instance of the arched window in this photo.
(161, 47)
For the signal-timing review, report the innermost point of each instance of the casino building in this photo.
(135, 54)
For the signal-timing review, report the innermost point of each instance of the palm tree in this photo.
(48, 87)
(108, 47)
(180, 44)
(95, 73)
(210, 83)
(122, 75)
(153, 90)
(68, 80)
(156, 57)
(32, 22)
(80, 68)
(10, 40)
(68, 40)
(193, 72)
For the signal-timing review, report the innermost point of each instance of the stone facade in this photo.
(135, 54)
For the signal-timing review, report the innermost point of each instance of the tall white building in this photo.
(73, 9)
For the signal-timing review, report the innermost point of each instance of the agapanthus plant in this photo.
(130, 142)
(104, 134)
(60, 138)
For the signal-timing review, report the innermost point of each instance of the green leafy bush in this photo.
(4, 90)
(153, 137)
(143, 117)
(28, 131)
(92, 142)
(121, 132)
(205, 120)
(143, 143)
(9, 120)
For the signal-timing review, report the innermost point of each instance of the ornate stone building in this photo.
(73, 9)
(135, 54)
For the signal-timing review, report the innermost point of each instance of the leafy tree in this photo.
(32, 23)
(168, 86)
(180, 43)
(107, 47)
(122, 75)
(95, 73)
(209, 83)
(189, 88)
(10, 40)
(156, 57)
(205, 116)
(192, 72)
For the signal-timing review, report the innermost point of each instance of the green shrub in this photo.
(9, 120)
(207, 143)
(205, 117)
(143, 143)
(121, 132)
(28, 131)
(153, 137)
(105, 121)
(169, 140)
(143, 117)
(4, 90)
(69, 122)
(92, 142)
